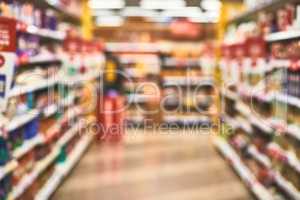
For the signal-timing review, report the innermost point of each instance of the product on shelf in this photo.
(269, 95)
(42, 119)
(187, 88)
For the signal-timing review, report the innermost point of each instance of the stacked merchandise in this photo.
(260, 64)
(187, 90)
(141, 67)
(45, 111)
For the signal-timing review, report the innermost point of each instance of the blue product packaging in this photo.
(31, 129)
(2, 85)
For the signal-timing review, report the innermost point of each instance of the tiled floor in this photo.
(153, 166)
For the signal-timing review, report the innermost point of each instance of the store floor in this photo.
(153, 166)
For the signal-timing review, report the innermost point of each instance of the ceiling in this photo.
(114, 12)
(188, 2)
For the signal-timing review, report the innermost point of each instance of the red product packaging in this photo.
(225, 50)
(239, 52)
(111, 118)
(256, 49)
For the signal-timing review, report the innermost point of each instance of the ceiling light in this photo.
(184, 12)
(110, 21)
(202, 20)
(138, 12)
(162, 4)
(100, 12)
(106, 4)
(211, 4)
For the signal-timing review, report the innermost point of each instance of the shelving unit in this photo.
(246, 175)
(187, 92)
(63, 170)
(141, 66)
(267, 7)
(265, 96)
(45, 114)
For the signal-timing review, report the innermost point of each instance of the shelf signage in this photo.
(7, 58)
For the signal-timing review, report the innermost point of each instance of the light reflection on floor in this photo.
(153, 166)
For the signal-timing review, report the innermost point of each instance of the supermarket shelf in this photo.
(76, 128)
(173, 62)
(261, 158)
(187, 120)
(283, 35)
(23, 119)
(230, 94)
(294, 130)
(42, 165)
(252, 92)
(184, 81)
(63, 170)
(291, 129)
(68, 116)
(72, 113)
(132, 47)
(238, 123)
(265, 97)
(261, 123)
(54, 5)
(29, 179)
(80, 79)
(232, 122)
(265, 161)
(243, 109)
(140, 98)
(287, 186)
(40, 61)
(67, 101)
(42, 84)
(291, 157)
(135, 119)
(271, 6)
(279, 63)
(8, 168)
(245, 174)
(27, 146)
(294, 101)
(282, 183)
(256, 120)
(50, 110)
(45, 33)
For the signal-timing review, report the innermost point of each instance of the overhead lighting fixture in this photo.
(184, 12)
(162, 4)
(137, 12)
(100, 12)
(110, 21)
(107, 4)
(211, 4)
(202, 20)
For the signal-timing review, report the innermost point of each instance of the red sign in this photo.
(7, 58)
(7, 34)
(184, 29)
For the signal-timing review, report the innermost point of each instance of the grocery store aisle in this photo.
(153, 166)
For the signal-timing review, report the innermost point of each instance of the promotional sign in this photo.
(185, 29)
(7, 58)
